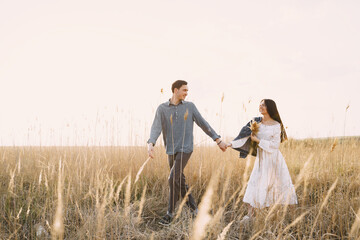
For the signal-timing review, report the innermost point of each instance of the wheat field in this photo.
(119, 193)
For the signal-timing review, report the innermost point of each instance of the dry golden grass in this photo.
(91, 193)
(254, 127)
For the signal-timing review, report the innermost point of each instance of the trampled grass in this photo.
(91, 192)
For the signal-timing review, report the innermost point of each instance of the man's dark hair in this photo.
(177, 84)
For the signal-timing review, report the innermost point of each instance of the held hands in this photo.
(151, 150)
(222, 145)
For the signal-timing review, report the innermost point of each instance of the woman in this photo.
(270, 181)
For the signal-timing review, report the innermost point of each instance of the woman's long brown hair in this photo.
(274, 114)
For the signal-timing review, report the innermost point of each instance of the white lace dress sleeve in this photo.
(270, 182)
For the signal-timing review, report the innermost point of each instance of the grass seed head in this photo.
(254, 127)
(186, 114)
(334, 144)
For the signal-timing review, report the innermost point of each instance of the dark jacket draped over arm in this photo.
(249, 146)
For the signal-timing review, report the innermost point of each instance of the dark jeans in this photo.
(177, 163)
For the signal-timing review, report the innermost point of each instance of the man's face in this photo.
(182, 92)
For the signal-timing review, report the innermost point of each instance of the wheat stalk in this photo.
(254, 127)
(100, 226)
(323, 205)
(182, 150)
(224, 231)
(127, 196)
(303, 172)
(356, 225)
(178, 213)
(298, 219)
(116, 198)
(257, 234)
(217, 217)
(221, 106)
(142, 202)
(244, 180)
(203, 217)
(58, 226)
(141, 169)
(225, 187)
(12, 181)
(334, 144)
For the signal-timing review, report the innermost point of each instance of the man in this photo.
(175, 119)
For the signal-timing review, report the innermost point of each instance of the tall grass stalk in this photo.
(296, 221)
(356, 225)
(142, 202)
(182, 152)
(244, 180)
(127, 196)
(220, 115)
(141, 169)
(323, 205)
(173, 154)
(58, 226)
(203, 217)
(117, 196)
(225, 187)
(217, 217)
(182, 204)
(224, 232)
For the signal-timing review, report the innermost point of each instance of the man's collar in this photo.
(169, 102)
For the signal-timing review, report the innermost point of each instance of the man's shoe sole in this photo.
(164, 224)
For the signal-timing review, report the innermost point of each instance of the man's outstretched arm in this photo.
(154, 132)
(205, 126)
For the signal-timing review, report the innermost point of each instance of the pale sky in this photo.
(91, 72)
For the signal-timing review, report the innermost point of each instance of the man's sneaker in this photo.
(166, 220)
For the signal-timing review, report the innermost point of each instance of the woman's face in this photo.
(262, 108)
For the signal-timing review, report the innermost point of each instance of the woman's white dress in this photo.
(270, 182)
